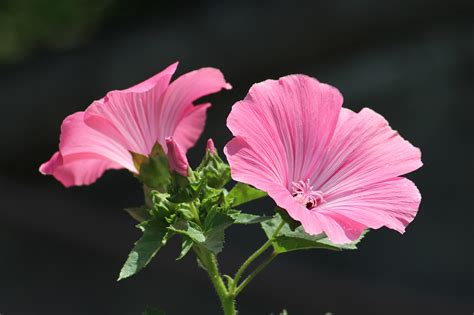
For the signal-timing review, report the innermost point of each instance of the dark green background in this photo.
(62, 249)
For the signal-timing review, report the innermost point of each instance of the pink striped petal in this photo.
(84, 154)
(131, 116)
(392, 203)
(178, 104)
(363, 151)
(76, 172)
(278, 120)
(189, 129)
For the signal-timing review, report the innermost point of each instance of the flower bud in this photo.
(176, 158)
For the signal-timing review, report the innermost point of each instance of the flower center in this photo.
(304, 193)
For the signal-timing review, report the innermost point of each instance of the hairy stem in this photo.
(260, 267)
(254, 256)
(209, 261)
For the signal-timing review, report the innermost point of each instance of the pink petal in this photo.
(176, 158)
(76, 172)
(159, 81)
(84, 154)
(189, 129)
(177, 104)
(251, 167)
(363, 151)
(131, 117)
(79, 141)
(392, 203)
(287, 124)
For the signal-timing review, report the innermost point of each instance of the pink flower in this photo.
(132, 120)
(176, 158)
(334, 170)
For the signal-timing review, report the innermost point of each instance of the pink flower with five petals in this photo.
(334, 170)
(133, 120)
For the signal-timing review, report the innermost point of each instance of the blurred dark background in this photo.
(62, 249)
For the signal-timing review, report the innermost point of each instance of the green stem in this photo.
(209, 261)
(254, 256)
(260, 267)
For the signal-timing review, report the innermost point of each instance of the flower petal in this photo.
(189, 129)
(77, 171)
(392, 203)
(131, 116)
(84, 154)
(178, 99)
(364, 150)
(159, 81)
(287, 124)
(79, 141)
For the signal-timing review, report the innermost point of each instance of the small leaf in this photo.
(182, 189)
(153, 238)
(214, 170)
(153, 311)
(154, 170)
(139, 213)
(186, 245)
(189, 229)
(292, 223)
(215, 224)
(242, 193)
(288, 240)
(247, 218)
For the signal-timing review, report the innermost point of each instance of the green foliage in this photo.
(186, 245)
(210, 235)
(247, 218)
(185, 189)
(215, 224)
(196, 207)
(188, 229)
(293, 224)
(153, 238)
(154, 170)
(214, 170)
(243, 193)
(288, 240)
(139, 213)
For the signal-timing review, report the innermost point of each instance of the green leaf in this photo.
(139, 213)
(293, 224)
(214, 170)
(243, 193)
(215, 224)
(153, 238)
(153, 311)
(162, 207)
(189, 229)
(212, 238)
(182, 189)
(154, 170)
(247, 218)
(186, 245)
(288, 240)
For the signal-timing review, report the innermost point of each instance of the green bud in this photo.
(214, 170)
(153, 171)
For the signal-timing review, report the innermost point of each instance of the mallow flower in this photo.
(111, 129)
(334, 170)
